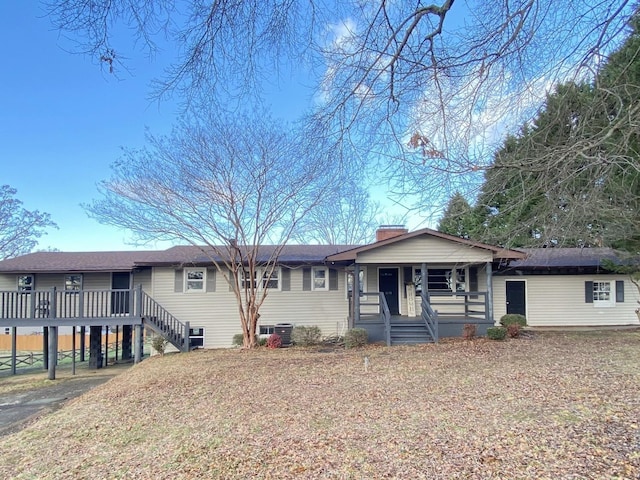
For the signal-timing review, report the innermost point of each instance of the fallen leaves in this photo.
(550, 406)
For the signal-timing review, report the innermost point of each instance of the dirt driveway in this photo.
(25, 397)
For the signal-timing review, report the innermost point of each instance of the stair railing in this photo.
(430, 317)
(385, 316)
(163, 323)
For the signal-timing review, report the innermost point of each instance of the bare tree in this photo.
(19, 228)
(346, 216)
(425, 90)
(229, 186)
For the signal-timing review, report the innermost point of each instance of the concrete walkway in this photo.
(27, 396)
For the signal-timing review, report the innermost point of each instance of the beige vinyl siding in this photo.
(8, 281)
(558, 301)
(425, 249)
(217, 312)
(143, 277)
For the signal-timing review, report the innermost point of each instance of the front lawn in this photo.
(551, 406)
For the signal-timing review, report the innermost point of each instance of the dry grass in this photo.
(552, 406)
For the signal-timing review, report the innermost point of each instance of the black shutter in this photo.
(473, 281)
(408, 278)
(588, 292)
(306, 279)
(178, 283)
(333, 279)
(211, 279)
(619, 291)
(286, 279)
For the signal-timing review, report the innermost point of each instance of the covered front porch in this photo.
(420, 286)
(396, 306)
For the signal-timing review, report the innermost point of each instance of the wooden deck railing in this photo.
(165, 324)
(63, 304)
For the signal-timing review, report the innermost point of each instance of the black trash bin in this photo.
(284, 331)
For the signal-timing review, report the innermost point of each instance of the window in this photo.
(319, 279)
(72, 283)
(245, 279)
(266, 329)
(25, 283)
(602, 294)
(272, 281)
(196, 337)
(441, 280)
(194, 280)
(362, 280)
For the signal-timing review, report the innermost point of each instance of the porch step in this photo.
(409, 333)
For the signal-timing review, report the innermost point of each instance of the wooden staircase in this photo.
(409, 332)
(158, 319)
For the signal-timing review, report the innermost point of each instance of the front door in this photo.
(388, 284)
(120, 300)
(516, 297)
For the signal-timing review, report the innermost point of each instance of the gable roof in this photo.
(498, 252)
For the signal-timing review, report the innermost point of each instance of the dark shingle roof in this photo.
(75, 261)
(564, 258)
(126, 261)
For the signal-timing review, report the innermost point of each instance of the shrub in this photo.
(305, 336)
(513, 318)
(159, 344)
(274, 341)
(469, 331)
(262, 341)
(496, 333)
(513, 330)
(238, 339)
(356, 337)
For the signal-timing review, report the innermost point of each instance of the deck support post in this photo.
(14, 350)
(95, 334)
(106, 346)
(53, 353)
(138, 345)
(126, 342)
(489, 300)
(45, 347)
(83, 339)
(356, 294)
(73, 350)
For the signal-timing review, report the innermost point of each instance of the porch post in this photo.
(356, 294)
(83, 340)
(73, 350)
(489, 300)
(424, 285)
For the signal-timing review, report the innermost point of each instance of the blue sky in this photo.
(63, 122)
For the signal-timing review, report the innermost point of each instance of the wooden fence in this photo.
(36, 358)
(34, 343)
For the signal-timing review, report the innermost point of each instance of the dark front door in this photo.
(516, 297)
(120, 300)
(388, 284)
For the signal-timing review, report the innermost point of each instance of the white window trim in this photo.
(326, 279)
(260, 279)
(277, 271)
(186, 280)
(31, 285)
(66, 278)
(451, 269)
(612, 294)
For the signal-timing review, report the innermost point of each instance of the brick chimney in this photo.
(385, 232)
